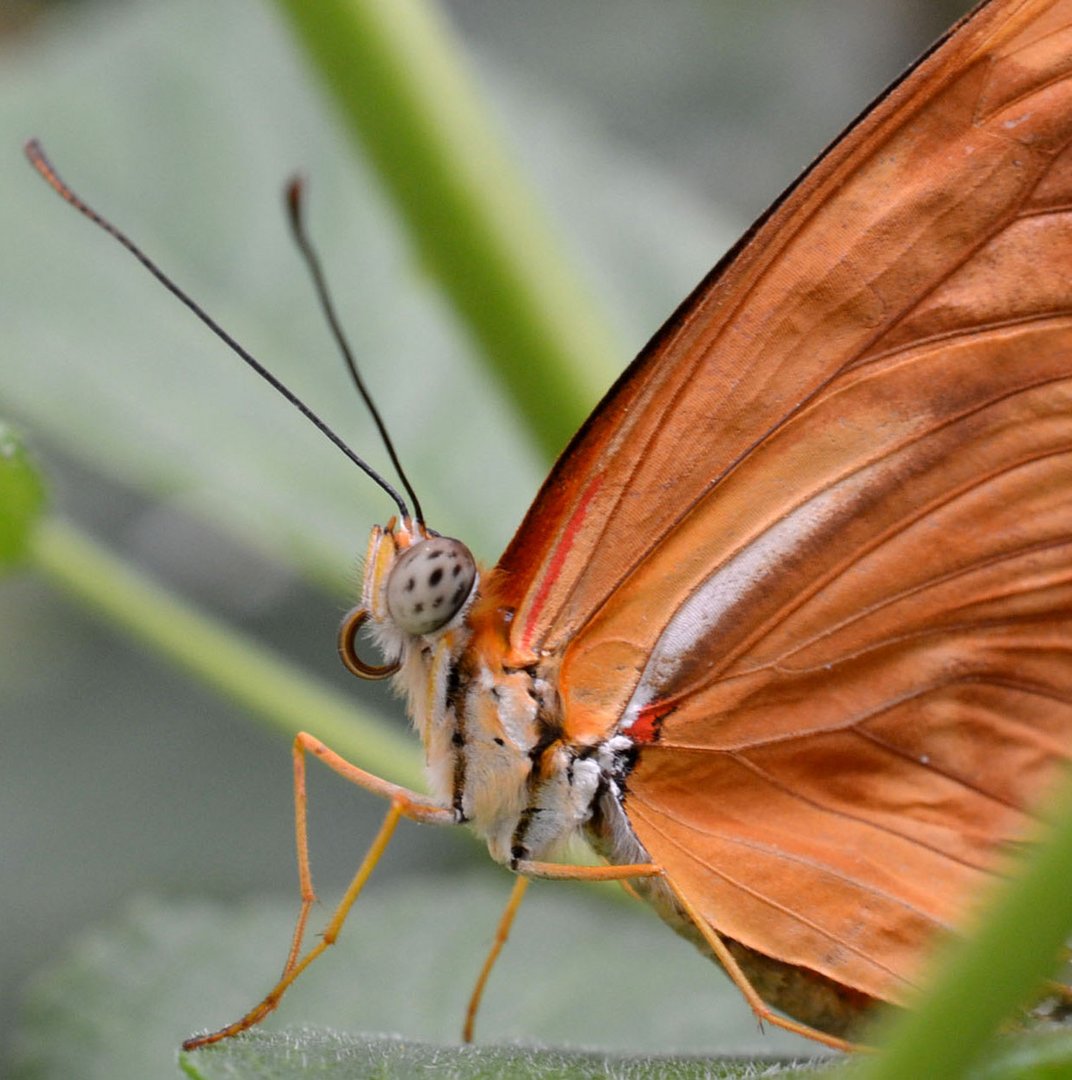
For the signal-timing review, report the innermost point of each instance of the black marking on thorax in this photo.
(549, 725)
(550, 732)
(626, 762)
(457, 688)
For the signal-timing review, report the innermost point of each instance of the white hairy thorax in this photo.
(494, 747)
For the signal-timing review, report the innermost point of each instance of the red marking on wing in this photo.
(645, 729)
(558, 559)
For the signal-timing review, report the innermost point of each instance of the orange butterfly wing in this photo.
(814, 549)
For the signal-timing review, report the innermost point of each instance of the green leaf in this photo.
(22, 498)
(326, 1054)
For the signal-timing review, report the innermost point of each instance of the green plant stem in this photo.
(279, 694)
(393, 69)
(988, 975)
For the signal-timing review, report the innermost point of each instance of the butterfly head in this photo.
(417, 584)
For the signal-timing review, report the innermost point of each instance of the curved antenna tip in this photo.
(35, 153)
(295, 192)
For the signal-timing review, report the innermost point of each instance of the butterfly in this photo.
(785, 633)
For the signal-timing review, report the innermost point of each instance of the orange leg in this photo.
(618, 873)
(527, 870)
(502, 932)
(404, 803)
(569, 872)
(630, 891)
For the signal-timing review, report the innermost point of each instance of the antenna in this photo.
(294, 193)
(40, 162)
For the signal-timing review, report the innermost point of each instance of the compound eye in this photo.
(429, 584)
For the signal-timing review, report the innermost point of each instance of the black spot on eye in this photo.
(434, 555)
(438, 602)
(498, 741)
(411, 584)
(418, 608)
(457, 569)
(435, 577)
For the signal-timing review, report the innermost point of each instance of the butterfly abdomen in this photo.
(806, 995)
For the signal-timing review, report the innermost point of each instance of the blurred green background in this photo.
(652, 134)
